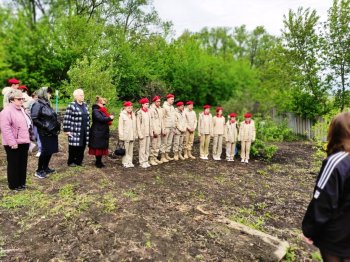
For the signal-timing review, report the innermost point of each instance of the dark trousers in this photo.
(76, 155)
(327, 257)
(17, 165)
(43, 163)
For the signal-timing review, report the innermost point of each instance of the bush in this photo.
(268, 130)
(263, 150)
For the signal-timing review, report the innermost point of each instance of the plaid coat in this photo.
(72, 123)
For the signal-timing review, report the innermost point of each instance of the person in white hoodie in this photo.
(144, 130)
(127, 132)
(218, 133)
(205, 131)
(246, 136)
(231, 136)
(191, 125)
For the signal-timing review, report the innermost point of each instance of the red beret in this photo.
(189, 103)
(179, 103)
(13, 81)
(233, 115)
(155, 98)
(247, 115)
(169, 96)
(127, 103)
(206, 106)
(23, 87)
(143, 101)
(219, 108)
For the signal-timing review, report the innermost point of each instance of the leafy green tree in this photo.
(337, 50)
(93, 77)
(302, 45)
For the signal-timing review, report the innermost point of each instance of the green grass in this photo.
(35, 199)
(130, 193)
(109, 203)
(248, 217)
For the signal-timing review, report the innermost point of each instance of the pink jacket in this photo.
(13, 125)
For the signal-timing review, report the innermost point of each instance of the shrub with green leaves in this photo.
(269, 130)
(261, 149)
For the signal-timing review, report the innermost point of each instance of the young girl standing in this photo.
(205, 131)
(246, 136)
(218, 133)
(231, 136)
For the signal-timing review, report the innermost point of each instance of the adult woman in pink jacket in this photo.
(14, 125)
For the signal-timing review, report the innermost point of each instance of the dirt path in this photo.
(117, 214)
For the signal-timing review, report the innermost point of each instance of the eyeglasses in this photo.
(19, 99)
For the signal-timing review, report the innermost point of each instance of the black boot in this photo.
(99, 163)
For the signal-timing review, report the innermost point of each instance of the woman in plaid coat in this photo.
(76, 125)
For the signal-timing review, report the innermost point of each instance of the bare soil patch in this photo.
(117, 214)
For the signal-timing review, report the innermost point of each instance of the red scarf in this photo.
(217, 115)
(144, 109)
(247, 122)
(206, 114)
(232, 121)
(105, 112)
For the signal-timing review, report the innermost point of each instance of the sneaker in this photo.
(147, 164)
(72, 165)
(246, 161)
(144, 165)
(38, 154)
(131, 165)
(242, 161)
(49, 171)
(206, 158)
(40, 174)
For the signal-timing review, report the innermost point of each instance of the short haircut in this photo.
(77, 92)
(14, 93)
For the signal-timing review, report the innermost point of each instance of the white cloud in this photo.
(196, 14)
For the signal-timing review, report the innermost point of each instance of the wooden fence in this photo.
(302, 126)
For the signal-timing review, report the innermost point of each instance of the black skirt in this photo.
(49, 144)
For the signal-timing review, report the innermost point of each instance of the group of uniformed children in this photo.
(162, 128)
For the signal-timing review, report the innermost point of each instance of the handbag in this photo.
(31, 134)
(120, 150)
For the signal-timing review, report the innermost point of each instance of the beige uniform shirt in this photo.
(190, 119)
(180, 123)
(205, 124)
(127, 126)
(231, 132)
(246, 131)
(218, 125)
(143, 122)
(157, 119)
(169, 115)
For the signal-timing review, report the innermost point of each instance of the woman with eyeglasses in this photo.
(14, 125)
(99, 131)
(45, 119)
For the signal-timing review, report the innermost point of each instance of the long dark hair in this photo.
(339, 134)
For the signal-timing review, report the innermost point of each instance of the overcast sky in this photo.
(196, 14)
